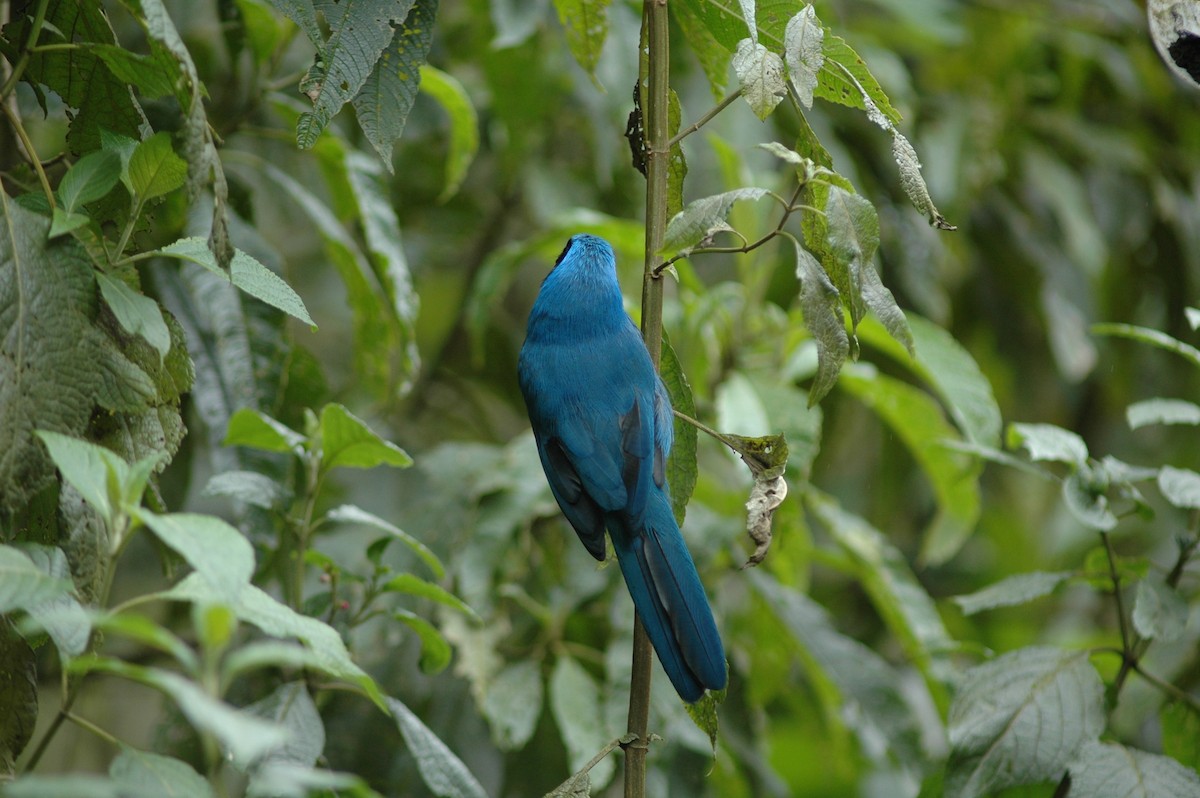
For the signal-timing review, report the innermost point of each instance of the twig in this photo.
(704, 120)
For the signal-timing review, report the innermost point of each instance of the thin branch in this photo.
(789, 208)
(30, 152)
(704, 120)
(1168, 688)
(35, 31)
(577, 784)
(1127, 643)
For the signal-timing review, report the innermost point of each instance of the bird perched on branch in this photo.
(603, 424)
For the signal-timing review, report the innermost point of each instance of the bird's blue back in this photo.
(603, 424)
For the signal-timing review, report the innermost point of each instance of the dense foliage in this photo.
(248, 244)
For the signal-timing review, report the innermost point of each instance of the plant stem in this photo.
(1127, 655)
(35, 31)
(658, 154)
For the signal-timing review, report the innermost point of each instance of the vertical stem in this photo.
(654, 23)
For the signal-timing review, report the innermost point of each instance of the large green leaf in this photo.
(219, 553)
(586, 22)
(256, 607)
(1109, 770)
(854, 673)
(381, 229)
(681, 463)
(18, 691)
(1021, 719)
(360, 30)
(23, 584)
(101, 100)
(820, 302)
(347, 442)
(141, 774)
(899, 598)
(917, 420)
(464, 125)
(575, 702)
(513, 704)
(388, 93)
(443, 772)
(291, 706)
(246, 273)
(56, 364)
(1012, 590)
(947, 367)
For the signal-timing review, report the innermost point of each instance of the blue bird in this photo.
(603, 424)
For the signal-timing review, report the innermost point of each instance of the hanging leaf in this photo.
(1021, 719)
(760, 73)
(802, 48)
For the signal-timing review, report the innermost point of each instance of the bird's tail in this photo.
(667, 593)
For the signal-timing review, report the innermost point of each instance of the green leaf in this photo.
(18, 685)
(155, 169)
(268, 654)
(291, 707)
(137, 313)
(257, 430)
(1154, 338)
(219, 553)
(586, 22)
(1048, 442)
(802, 47)
(282, 779)
(1109, 770)
(141, 774)
(820, 302)
(416, 586)
(264, 31)
(1012, 590)
(147, 632)
(101, 100)
(681, 463)
(153, 77)
(246, 737)
(1180, 486)
(435, 651)
(92, 470)
(912, 181)
(62, 222)
(92, 177)
(513, 704)
(845, 668)
(852, 235)
(1162, 411)
(360, 31)
(464, 125)
(846, 80)
(442, 771)
(350, 514)
(389, 265)
(760, 73)
(575, 703)
(258, 608)
(1159, 611)
(1085, 494)
(702, 219)
(57, 366)
(1021, 719)
(918, 422)
(250, 487)
(703, 713)
(62, 617)
(386, 97)
(346, 441)
(375, 339)
(901, 600)
(246, 273)
(714, 59)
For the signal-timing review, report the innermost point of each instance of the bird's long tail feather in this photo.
(670, 599)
